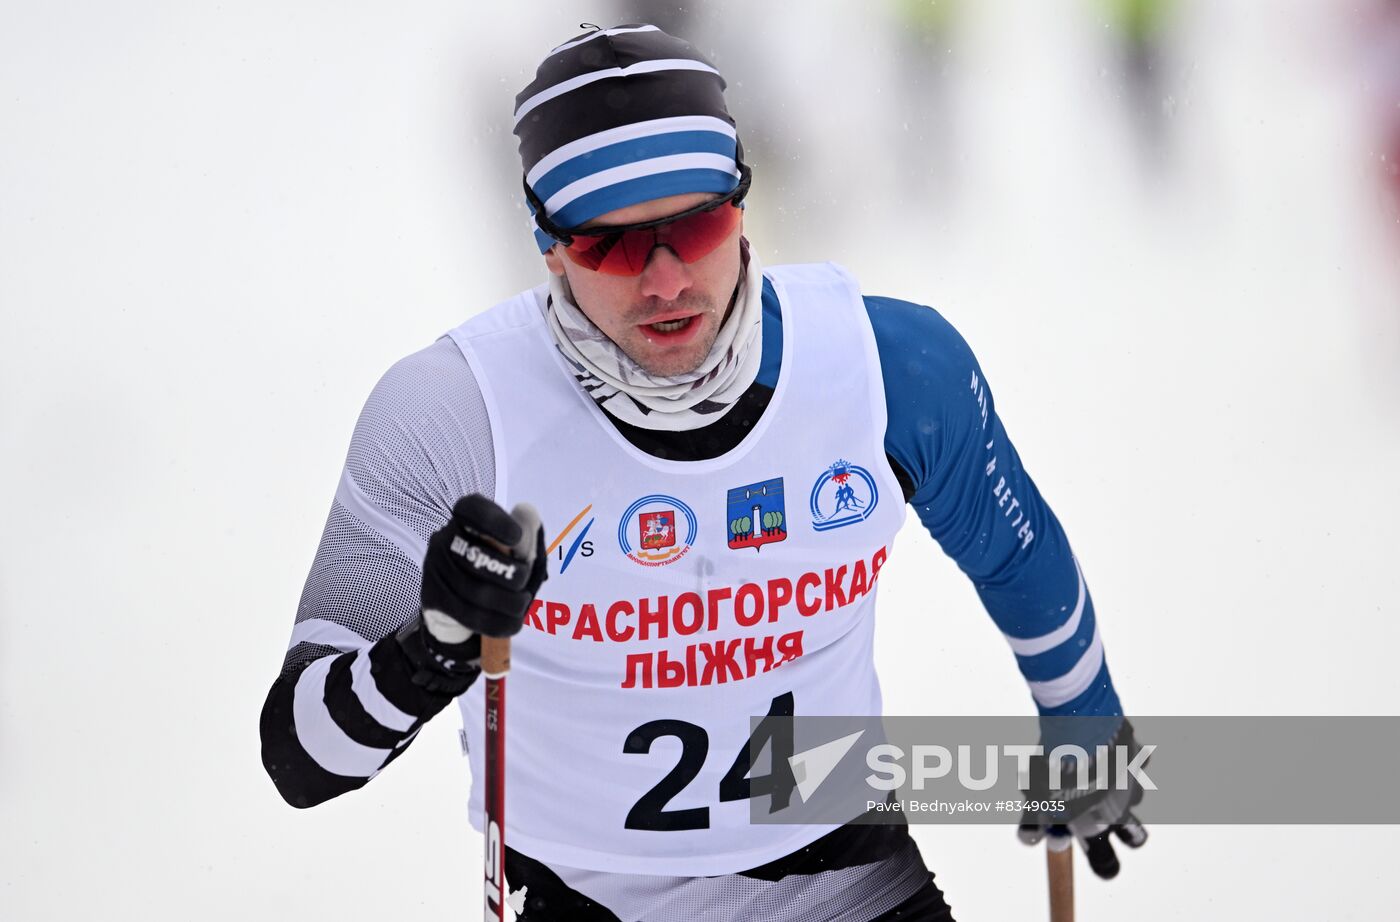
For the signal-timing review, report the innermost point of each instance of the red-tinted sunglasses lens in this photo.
(626, 252)
(622, 253)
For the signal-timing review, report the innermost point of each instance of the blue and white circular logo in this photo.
(844, 494)
(650, 530)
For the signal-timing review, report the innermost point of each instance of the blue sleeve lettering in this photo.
(977, 501)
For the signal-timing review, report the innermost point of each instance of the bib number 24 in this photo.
(649, 812)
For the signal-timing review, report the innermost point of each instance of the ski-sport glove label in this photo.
(482, 570)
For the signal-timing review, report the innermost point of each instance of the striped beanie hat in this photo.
(619, 116)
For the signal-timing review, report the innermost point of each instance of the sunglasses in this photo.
(625, 249)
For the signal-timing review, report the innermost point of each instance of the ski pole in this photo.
(1059, 865)
(495, 663)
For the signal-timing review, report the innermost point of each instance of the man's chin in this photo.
(671, 366)
(671, 363)
(667, 364)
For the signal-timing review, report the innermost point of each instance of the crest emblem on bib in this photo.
(756, 514)
(656, 530)
(844, 494)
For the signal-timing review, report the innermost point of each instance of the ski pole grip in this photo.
(495, 651)
(495, 656)
(1059, 863)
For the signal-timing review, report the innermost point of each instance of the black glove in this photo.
(1090, 816)
(480, 573)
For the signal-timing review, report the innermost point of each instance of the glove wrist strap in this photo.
(447, 669)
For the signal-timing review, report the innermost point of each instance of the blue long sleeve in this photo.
(981, 506)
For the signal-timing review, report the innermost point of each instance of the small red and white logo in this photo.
(656, 530)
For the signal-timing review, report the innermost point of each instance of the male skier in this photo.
(660, 395)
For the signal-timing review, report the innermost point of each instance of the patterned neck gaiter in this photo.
(678, 403)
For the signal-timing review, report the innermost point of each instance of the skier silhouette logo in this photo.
(846, 498)
(844, 494)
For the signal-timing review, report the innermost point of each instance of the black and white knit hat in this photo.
(619, 116)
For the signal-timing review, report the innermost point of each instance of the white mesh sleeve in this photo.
(423, 440)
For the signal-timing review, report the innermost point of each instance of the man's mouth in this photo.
(670, 326)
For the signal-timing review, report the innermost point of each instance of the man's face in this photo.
(628, 308)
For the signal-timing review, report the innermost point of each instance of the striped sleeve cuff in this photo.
(1065, 667)
(321, 714)
(352, 712)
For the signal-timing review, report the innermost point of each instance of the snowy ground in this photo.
(220, 223)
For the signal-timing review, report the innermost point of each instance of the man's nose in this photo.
(664, 276)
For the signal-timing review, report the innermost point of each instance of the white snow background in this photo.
(220, 222)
